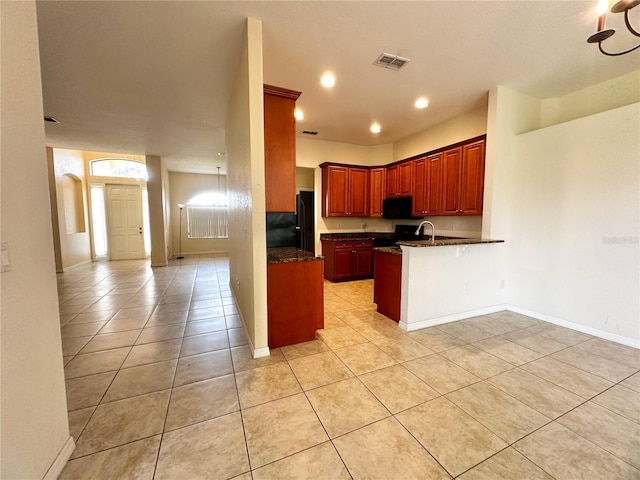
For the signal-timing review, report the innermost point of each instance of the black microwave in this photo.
(397, 208)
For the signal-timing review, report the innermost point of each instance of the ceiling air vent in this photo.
(310, 132)
(393, 62)
(51, 120)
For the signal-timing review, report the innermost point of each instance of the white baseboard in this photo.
(71, 267)
(630, 342)
(255, 352)
(450, 318)
(204, 252)
(61, 460)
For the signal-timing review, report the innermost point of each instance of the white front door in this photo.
(126, 239)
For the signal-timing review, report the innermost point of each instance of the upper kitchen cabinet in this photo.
(345, 191)
(377, 189)
(399, 179)
(472, 191)
(463, 179)
(280, 149)
(427, 185)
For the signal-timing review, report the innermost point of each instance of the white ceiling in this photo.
(151, 77)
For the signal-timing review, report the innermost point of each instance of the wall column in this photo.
(158, 220)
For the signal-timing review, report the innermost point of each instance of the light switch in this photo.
(6, 259)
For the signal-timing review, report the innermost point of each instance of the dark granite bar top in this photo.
(289, 255)
(446, 241)
(341, 237)
(391, 250)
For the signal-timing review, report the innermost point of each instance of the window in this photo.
(118, 167)
(99, 220)
(207, 216)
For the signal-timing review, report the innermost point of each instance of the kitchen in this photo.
(444, 182)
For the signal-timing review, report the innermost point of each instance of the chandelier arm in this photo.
(617, 54)
(631, 29)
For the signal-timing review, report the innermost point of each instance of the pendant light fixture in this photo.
(622, 6)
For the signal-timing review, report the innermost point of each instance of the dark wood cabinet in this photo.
(463, 179)
(387, 284)
(347, 260)
(399, 180)
(472, 190)
(295, 302)
(377, 190)
(427, 185)
(451, 168)
(345, 191)
(447, 181)
(280, 149)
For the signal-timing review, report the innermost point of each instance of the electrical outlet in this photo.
(453, 226)
(501, 283)
(464, 289)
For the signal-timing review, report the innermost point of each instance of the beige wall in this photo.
(75, 247)
(244, 135)
(33, 408)
(157, 204)
(304, 178)
(575, 222)
(548, 185)
(457, 129)
(617, 92)
(185, 186)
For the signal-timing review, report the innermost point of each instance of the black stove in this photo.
(402, 232)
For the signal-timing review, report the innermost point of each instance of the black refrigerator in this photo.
(305, 230)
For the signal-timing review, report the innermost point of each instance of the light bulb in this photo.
(422, 103)
(375, 128)
(298, 114)
(602, 7)
(328, 80)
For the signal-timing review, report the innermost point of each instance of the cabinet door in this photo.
(392, 182)
(377, 187)
(363, 261)
(472, 188)
(405, 178)
(451, 164)
(419, 192)
(279, 154)
(342, 262)
(358, 192)
(335, 191)
(433, 185)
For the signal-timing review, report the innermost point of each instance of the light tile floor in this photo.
(161, 384)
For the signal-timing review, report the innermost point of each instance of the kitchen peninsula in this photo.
(441, 280)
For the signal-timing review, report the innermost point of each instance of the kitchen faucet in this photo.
(433, 230)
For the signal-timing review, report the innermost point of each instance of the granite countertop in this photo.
(391, 250)
(289, 255)
(446, 241)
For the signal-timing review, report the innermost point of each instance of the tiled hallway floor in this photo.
(160, 384)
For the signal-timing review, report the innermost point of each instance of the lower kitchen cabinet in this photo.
(387, 281)
(295, 302)
(347, 260)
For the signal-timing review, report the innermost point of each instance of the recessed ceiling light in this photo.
(298, 114)
(221, 154)
(328, 80)
(422, 103)
(375, 128)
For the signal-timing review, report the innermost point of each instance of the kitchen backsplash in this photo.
(452, 226)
